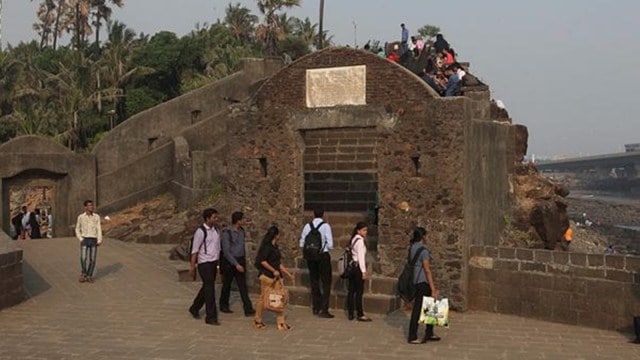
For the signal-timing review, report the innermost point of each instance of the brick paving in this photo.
(137, 309)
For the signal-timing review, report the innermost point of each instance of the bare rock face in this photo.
(539, 214)
(155, 221)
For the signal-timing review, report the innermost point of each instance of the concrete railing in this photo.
(11, 282)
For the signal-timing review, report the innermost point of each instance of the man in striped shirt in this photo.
(89, 233)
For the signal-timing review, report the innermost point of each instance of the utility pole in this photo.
(0, 25)
(355, 34)
(321, 22)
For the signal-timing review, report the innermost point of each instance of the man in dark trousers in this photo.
(205, 251)
(234, 264)
(320, 268)
(17, 223)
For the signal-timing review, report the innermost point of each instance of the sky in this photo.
(565, 69)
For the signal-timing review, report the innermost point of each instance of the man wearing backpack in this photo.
(316, 240)
(206, 252)
(234, 264)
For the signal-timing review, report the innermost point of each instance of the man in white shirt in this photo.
(26, 225)
(205, 251)
(89, 233)
(320, 267)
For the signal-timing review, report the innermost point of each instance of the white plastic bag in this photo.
(434, 312)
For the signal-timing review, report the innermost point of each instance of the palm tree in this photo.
(102, 11)
(240, 21)
(306, 31)
(271, 31)
(47, 18)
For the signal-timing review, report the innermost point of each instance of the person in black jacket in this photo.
(268, 262)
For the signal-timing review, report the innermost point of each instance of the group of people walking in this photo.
(34, 224)
(214, 248)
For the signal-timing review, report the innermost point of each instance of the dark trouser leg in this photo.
(207, 293)
(422, 289)
(325, 278)
(636, 326)
(241, 280)
(228, 274)
(351, 295)
(359, 289)
(314, 279)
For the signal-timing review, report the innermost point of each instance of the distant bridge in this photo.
(625, 164)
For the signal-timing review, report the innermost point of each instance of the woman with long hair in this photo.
(423, 280)
(359, 273)
(271, 269)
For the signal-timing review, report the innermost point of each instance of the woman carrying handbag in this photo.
(268, 262)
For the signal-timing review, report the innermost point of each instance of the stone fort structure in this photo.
(361, 137)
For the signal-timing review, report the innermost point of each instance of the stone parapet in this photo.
(11, 284)
(594, 290)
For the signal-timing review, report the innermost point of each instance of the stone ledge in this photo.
(11, 286)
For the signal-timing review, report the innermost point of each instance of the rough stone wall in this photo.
(11, 290)
(420, 159)
(136, 181)
(594, 290)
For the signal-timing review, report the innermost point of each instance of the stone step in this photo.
(341, 165)
(336, 253)
(346, 176)
(342, 186)
(343, 133)
(372, 303)
(336, 206)
(340, 196)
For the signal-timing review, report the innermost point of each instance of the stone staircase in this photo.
(379, 291)
(340, 169)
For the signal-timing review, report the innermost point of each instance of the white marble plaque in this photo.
(337, 86)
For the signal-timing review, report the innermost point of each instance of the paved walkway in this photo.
(137, 309)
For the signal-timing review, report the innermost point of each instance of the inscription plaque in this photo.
(335, 86)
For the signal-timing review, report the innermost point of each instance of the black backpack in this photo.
(406, 287)
(204, 241)
(346, 264)
(313, 246)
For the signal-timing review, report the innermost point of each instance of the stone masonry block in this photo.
(619, 275)
(543, 256)
(507, 265)
(476, 250)
(595, 260)
(614, 261)
(633, 263)
(477, 274)
(491, 251)
(507, 253)
(560, 258)
(524, 254)
(588, 273)
(382, 285)
(578, 259)
(533, 266)
(483, 303)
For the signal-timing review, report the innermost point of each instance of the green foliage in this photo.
(72, 92)
(428, 31)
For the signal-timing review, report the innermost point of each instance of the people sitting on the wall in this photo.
(440, 44)
(610, 250)
(418, 46)
(16, 221)
(449, 56)
(26, 226)
(34, 223)
(393, 56)
(567, 238)
(455, 75)
(404, 38)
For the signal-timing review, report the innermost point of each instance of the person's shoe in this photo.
(249, 312)
(431, 338)
(364, 318)
(635, 341)
(226, 310)
(82, 278)
(326, 315)
(212, 322)
(89, 279)
(194, 314)
(351, 317)
(316, 311)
